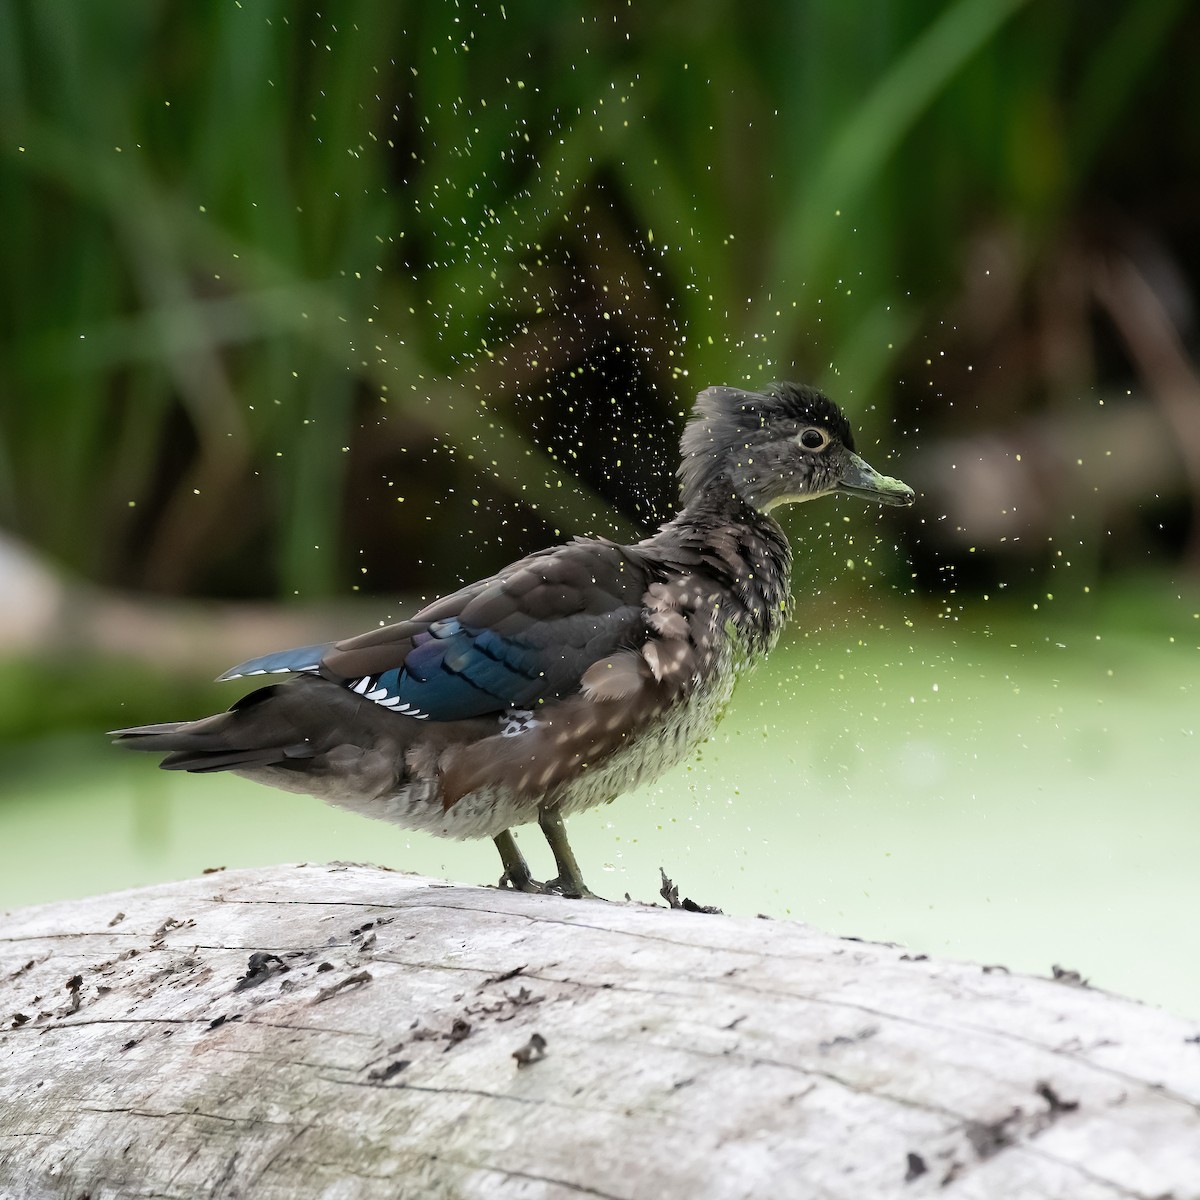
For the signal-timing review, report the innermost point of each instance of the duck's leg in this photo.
(569, 880)
(516, 869)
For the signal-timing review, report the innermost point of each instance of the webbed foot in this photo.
(517, 875)
(521, 883)
(570, 889)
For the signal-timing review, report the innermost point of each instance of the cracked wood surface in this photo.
(345, 1031)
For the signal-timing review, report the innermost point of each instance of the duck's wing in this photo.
(520, 638)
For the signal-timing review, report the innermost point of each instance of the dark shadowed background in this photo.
(307, 315)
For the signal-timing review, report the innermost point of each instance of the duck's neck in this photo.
(739, 547)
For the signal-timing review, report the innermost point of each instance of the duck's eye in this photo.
(814, 439)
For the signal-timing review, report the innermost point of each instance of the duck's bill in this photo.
(862, 480)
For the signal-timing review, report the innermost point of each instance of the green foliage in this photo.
(256, 253)
(92, 701)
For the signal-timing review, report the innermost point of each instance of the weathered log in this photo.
(345, 1031)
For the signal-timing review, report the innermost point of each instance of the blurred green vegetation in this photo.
(380, 294)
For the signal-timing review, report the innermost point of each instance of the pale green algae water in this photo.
(994, 794)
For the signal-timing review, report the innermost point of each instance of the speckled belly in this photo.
(643, 757)
(663, 745)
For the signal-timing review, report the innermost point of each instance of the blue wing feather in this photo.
(453, 673)
(298, 659)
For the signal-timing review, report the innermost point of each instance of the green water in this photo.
(1025, 798)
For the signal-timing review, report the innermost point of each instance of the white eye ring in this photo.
(806, 439)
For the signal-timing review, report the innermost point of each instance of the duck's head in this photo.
(781, 446)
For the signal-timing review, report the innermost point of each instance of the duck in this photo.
(572, 676)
